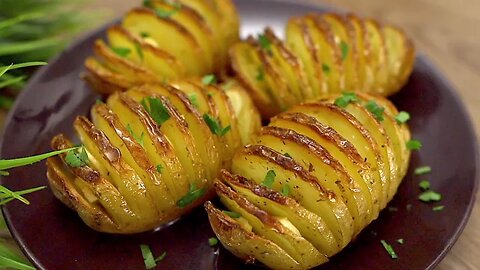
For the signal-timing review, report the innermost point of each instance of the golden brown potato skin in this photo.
(141, 165)
(322, 54)
(321, 170)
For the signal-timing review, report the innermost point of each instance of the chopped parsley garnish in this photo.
(269, 179)
(156, 109)
(414, 145)
(344, 48)
(147, 3)
(159, 168)
(164, 14)
(232, 214)
(422, 170)
(148, 259)
(402, 117)
(326, 69)
(139, 50)
(144, 34)
(400, 241)
(260, 74)
(265, 43)
(389, 249)
(121, 51)
(209, 79)
(287, 155)
(285, 190)
(212, 241)
(438, 208)
(430, 196)
(192, 195)
(215, 126)
(77, 157)
(375, 109)
(424, 185)
(138, 139)
(193, 99)
(345, 99)
(7, 195)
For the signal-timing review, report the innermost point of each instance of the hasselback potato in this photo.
(150, 154)
(163, 41)
(322, 54)
(311, 181)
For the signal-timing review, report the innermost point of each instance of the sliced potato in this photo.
(104, 80)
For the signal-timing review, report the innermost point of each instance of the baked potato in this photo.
(311, 181)
(150, 154)
(163, 41)
(322, 54)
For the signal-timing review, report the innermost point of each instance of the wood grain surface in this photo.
(448, 32)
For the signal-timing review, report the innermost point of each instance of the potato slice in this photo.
(246, 244)
(270, 227)
(347, 126)
(162, 63)
(327, 170)
(163, 31)
(378, 57)
(310, 226)
(104, 80)
(361, 44)
(229, 26)
(255, 161)
(340, 148)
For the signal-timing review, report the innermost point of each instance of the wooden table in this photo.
(448, 32)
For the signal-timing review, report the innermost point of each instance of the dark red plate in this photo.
(53, 237)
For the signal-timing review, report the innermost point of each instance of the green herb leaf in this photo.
(400, 241)
(325, 69)
(193, 99)
(148, 258)
(121, 51)
(260, 74)
(345, 99)
(422, 170)
(156, 109)
(215, 126)
(424, 184)
(17, 162)
(269, 179)
(159, 168)
(430, 196)
(144, 34)
(375, 109)
(344, 48)
(231, 214)
(138, 139)
(139, 50)
(438, 208)
(148, 3)
(209, 79)
(161, 257)
(6, 195)
(192, 195)
(77, 158)
(285, 190)
(212, 241)
(389, 249)
(11, 260)
(265, 43)
(287, 155)
(414, 145)
(99, 101)
(402, 117)
(4, 69)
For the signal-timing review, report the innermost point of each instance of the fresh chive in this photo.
(424, 184)
(4, 69)
(159, 168)
(6, 164)
(10, 260)
(164, 14)
(422, 170)
(144, 34)
(389, 249)
(212, 241)
(414, 145)
(138, 139)
(232, 214)
(121, 51)
(148, 259)
(193, 99)
(269, 179)
(287, 155)
(402, 117)
(192, 195)
(344, 48)
(400, 241)
(6, 195)
(139, 50)
(438, 208)
(77, 157)
(209, 79)
(430, 196)
(345, 99)
(326, 69)
(265, 43)
(260, 74)
(156, 109)
(285, 190)
(215, 126)
(161, 257)
(375, 109)
(148, 3)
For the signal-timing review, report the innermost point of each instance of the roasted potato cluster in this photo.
(311, 181)
(150, 154)
(322, 54)
(163, 41)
